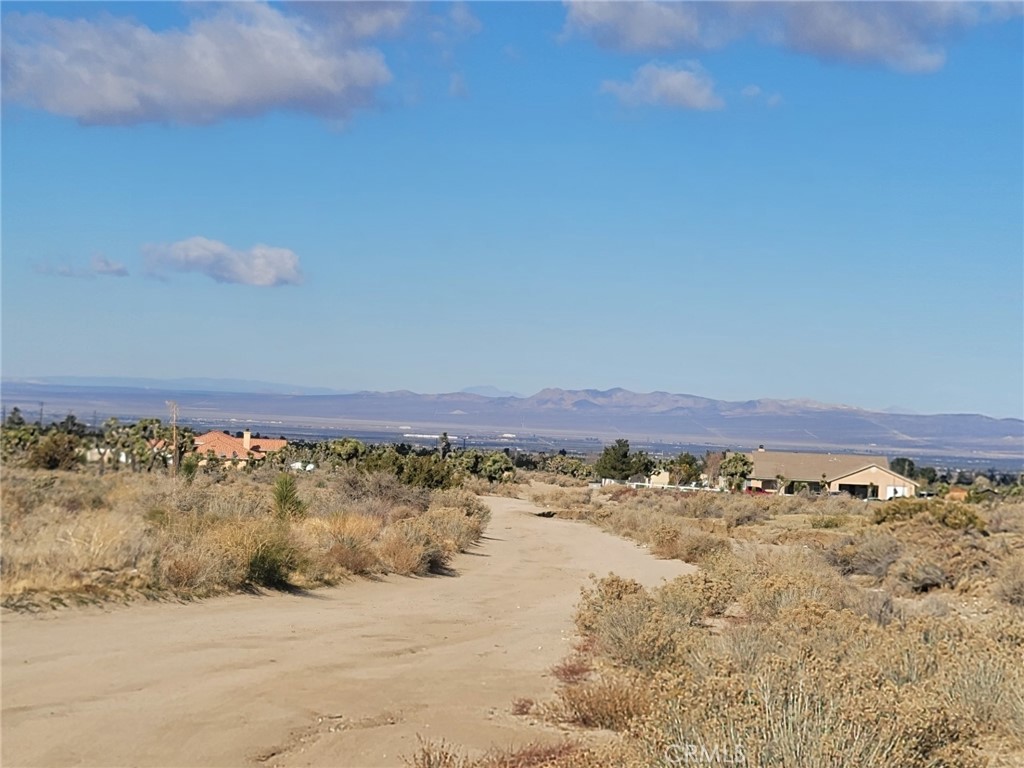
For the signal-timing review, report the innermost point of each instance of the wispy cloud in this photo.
(99, 266)
(457, 87)
(261, 265)
(242, 59)
(354, 19)
(906, 36)
(685, 86)
(636, 26)
(756, 93)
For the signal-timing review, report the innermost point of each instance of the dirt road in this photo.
(340, 677)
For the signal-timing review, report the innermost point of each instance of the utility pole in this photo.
(174, 437)
(41, 415)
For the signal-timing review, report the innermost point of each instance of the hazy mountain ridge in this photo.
(599, 413)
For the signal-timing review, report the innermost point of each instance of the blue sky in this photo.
(813, 200)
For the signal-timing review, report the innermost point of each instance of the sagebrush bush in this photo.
(612, 701)
(828, 521)
(1010, 586)
(870, 555)
(440, 754)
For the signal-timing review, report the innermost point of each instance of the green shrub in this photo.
(272, 557)
(897, 509)
(287, 504)
(56, 451)
(959, 517)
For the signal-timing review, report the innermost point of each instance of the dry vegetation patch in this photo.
(72, 537)
(823, 632)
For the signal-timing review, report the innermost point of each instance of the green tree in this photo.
(17, 437)
(641, 463)
(71, 426)
(348, 449)
(498, 467)
(685, 469)
(562, 464)
(614, 461)
(736, 468)
(15, 418)
(903, 466)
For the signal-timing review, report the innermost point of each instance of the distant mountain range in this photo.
(195, 384)
(652, 416)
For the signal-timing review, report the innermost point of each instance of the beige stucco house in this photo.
(860, 475)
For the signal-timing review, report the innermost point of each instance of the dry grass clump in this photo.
(441, 754)
(1005, 518)
(612, 701)
(744, 511)
(869, 555)
(85, 538)
(571, 503)
(344, 544)
(693, 547)
(198, 556)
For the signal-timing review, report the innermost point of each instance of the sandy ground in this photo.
(339, 677)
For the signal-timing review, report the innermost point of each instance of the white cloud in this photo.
(242, 59)
(688, 87)
(756, 93)
(463, 20)
(636, 26)
(99, 266)
(906, 36)
(353, 19)
(261, 265)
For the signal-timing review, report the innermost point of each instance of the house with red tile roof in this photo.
(236, 450)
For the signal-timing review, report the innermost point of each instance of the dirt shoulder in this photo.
(339, 677)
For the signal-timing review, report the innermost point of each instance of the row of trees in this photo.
(147, 444)
(618, 462)
(930, 476)
(150, 444)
